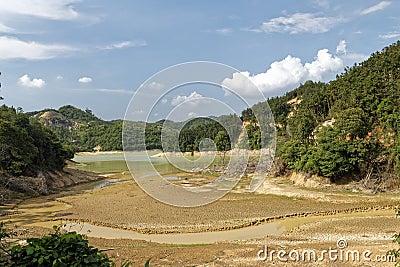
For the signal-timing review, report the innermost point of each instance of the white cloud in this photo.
(85, 80)
(389, 35)
(59, 77)
(324, 63)
(192, 114)
(26, 81)
(11, 48)
(124, 44)
(6, 29)
(285, 74)
(155, 86)
(182, 98)
(300, 23)
(47, 9)
(224, 31)
(164, 101)
(341, 47)
(377, 7)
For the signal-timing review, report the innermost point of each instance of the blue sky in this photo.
(95, 54)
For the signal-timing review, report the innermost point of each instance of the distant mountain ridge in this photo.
(81, 130)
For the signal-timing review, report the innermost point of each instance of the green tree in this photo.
(223, 143)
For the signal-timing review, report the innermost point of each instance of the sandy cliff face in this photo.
(54, 118)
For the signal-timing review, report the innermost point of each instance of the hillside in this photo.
(348, 127)
(27, 147)
(81, 130)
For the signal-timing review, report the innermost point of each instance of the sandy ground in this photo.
(314, 219)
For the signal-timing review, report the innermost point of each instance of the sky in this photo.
(99, 54)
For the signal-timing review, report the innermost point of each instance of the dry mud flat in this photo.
(314, 219)
(126, 206)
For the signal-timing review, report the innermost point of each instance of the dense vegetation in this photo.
(26, 146)
(82, 131)
(348, 127)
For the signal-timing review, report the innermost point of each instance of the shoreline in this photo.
(85, 153)
(113, 152)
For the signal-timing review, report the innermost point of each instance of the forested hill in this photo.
(348, 127)
(81, 130)
(27, 147)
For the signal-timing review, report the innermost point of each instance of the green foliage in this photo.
(222, 141)
(190, 137)
(77, 114)
(27, 147)
(347, 127)
(57, 249)
(247, 115)
(254, 136)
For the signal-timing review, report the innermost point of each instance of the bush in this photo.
(58, 249)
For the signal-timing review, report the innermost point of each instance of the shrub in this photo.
(58, 249)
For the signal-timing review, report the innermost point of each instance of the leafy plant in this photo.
(58, 249)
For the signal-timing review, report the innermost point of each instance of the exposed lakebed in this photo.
(116, 208)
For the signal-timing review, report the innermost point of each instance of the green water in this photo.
(115, 163)
(115, 166)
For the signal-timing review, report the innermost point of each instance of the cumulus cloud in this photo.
(26, 81)
(55, 10)
(285, 74)
(183, 98)
(12, 48)
(324, 63)
(85, 80)
(59, 77)
(300, 23)
(124, 44)
(341, 47)
(377, 7)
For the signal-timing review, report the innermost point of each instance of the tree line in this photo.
(26, 146)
